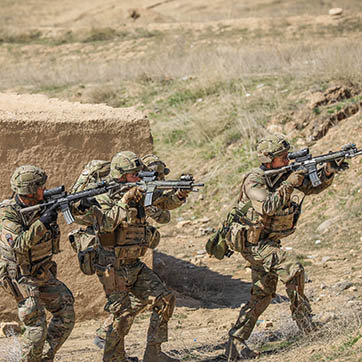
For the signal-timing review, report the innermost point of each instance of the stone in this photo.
(327, 317)
(326, 226)
(206, 231)
(265, 324)
(184, 223)
(325, 259)
(335, 11)
(343, 285)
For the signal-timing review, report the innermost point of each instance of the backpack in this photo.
(84, 242)
(94, 171)
(233, 234)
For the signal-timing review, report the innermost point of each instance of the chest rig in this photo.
(277, 226)
(27, 263)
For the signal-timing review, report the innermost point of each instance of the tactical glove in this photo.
(49, 216)
(134, 194)
(296, 178)
(87, 203)
(182, 193)
(336, 166)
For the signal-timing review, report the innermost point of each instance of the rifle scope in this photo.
(55, 191)
(297, 154)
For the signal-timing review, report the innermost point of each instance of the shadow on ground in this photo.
(211, 289)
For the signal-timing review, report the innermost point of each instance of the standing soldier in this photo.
(152, 163)
(130, 286)
(27, 245)
(268, 214)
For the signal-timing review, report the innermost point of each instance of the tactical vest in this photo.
(28, 263)
(277, 226)
(129, 241)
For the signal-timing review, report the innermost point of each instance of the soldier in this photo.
(154, 164)
(130, 286)
(272, 215)
(27, 272)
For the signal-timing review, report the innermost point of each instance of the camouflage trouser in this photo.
(54, 296)
(130, 290)
(268, 263)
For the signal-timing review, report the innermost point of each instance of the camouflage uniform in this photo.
(130, 286)
(269, 206)
(161, 216)
(29, 274)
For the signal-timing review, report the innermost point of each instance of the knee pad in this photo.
(165, 305)
(31, 312)
(265, 285)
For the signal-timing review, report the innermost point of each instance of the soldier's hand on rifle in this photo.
(134, 194)
(87, 203)
(49, 216)
(182, 193)
(296, 178)
(336, 166)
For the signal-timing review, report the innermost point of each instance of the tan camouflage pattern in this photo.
(27, 179)
(271, 206)
(27, 250)
(125, 162)
(130, 286)
(41, 342)
(271, 146)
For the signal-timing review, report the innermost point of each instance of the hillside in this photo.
(213, 77)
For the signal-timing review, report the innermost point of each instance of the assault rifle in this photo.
(148, 184)
(303, 160)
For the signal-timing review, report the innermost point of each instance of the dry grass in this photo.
(283, 342)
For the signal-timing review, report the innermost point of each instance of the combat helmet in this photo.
(272, 146)
(153, 163)
(125, 162)
(27, 179)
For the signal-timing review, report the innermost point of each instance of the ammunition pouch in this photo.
(216, 245)
(9, 285)
(282, 224)
(87, 260)
(83, 242)
(233, 234)
(130, 241)
(152, 237)
(130, 251)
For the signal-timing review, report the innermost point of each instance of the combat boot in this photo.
(100, 343)
(237, 350)
(153, 353)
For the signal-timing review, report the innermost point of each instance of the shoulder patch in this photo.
(9, 239)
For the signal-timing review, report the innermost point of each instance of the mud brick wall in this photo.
(61, 137)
